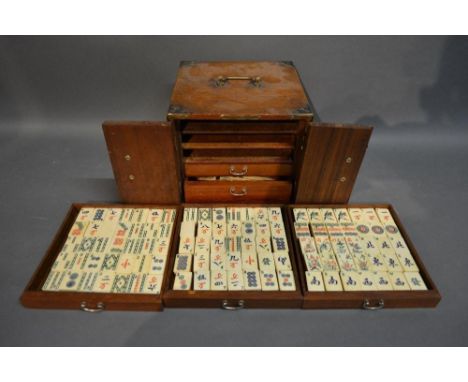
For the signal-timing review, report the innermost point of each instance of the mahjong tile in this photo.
(274, 214)
(110, 262)
(165, 231)
(201, 261)
(85, 214)
(262, 229)
(218, 280)
(234, 244)
(370, 215)
(87, 244)
(398, 281)
(332, 281)
(205, 214)
(248, 245)
(357, 215)
(280, 244)
(282, 261)
(328, 261)
(314, 215)
(139, 215)
(313, 262)
(151, 283)
(261, 214)
(104, 282)
(277, 229)
(266, 262)
(126, 264)
(78, 261)
(249, 214)
(64, 261)
(415, 281)
(377, 264)
(341, 215)
(137, 230)
(351, 281)
(385, 216)
(154, 215)
(308, 246)
(300, 215)
(156, 263)
(71, 281)
(122, 230)
(248, 229)
(249, 261)
(204, 228)
(182, 281)
(98, 214)
(218, 261)
(102, 245)
(219, 230)
(93, 262)
(202, 245)
(346, 262)
(234, 228)
(183, 262)
(162, 249)
(234, 214)
(368, 281)
(78, 229)
(89, 282)
(382, 281)
(235, 280)
(302, 230)
(219, 215)
(234, 262)
(391, 261)
(314, 281)
(263, 244)
(190, 214)
(252, 280)
(407, 261)
(187, 245)
(328, 215)
(148, 245)
(53, 281)
(218, 245)
(286, 280)
(187, 228)
(201, 280)
(268, 280)
(169, 216)
(72, 244)
(114, 214)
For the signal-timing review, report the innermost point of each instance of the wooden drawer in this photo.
(236, 167)
(34, 297)
(237, 191)
(231, 300)
(370, 300)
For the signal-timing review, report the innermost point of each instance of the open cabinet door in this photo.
(144, 160)
(332, 156)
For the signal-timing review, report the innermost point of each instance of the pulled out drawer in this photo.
(237, 191)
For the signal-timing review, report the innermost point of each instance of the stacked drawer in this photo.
(238, 162)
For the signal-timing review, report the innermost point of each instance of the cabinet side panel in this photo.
(332, 158)
(144, 161)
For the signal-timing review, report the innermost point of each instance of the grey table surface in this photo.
(417, 160)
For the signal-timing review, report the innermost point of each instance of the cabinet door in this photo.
(332, 156)
(145, 162)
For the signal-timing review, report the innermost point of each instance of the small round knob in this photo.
(349, 160)
(127, 157)
(343, 179)
(131, 177)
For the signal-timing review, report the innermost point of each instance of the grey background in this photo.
(56, 91)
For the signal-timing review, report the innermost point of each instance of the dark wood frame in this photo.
(34, 297)
(232, 299)
(391, 299)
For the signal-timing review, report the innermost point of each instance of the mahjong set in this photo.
(239, 200)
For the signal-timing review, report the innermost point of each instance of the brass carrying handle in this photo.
(99, 307)
(367, 306)
(233, 191)
(225, 305)
(232, 171)
(255, 80)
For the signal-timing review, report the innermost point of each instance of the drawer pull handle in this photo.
(99, 307)
(233, 191)
(221, 80)
(240, 305)
(367, 306)
(232, 171)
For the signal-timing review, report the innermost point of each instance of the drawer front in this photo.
(237, 192)
(238, 169)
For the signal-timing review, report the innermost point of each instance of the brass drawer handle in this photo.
(232, 171)
(99, 307)
(221, 80)
(233, 191)
(367, 306)
(225, 305)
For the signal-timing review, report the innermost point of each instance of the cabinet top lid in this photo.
(239, 90)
